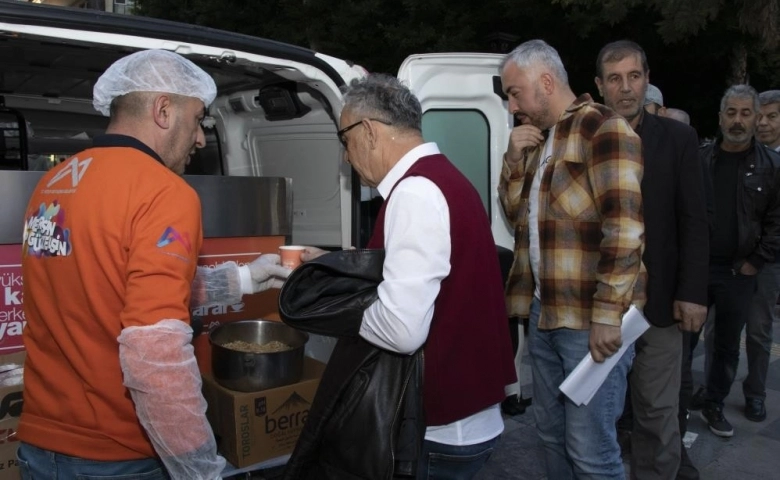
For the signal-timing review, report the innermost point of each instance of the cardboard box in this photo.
(11, 369)
(257, 426)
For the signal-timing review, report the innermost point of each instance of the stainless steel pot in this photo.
(251, 372)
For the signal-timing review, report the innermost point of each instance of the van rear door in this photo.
(464, 112)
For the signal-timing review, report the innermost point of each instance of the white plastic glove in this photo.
(263, 273)
(162, 376)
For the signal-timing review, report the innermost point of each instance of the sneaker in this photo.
(698, 399)
(755, 410)
(713, 415)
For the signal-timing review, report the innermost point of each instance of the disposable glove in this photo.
(162, 376)
(263, 273)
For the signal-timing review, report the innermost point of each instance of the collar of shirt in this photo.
(578, 103)
(404, 164)
(117, 140)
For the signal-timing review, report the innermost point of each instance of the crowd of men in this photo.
(681, 229)
(612, 205)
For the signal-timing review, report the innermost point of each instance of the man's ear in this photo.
(372, 133)
(161, 110)
(547, 82)
(599, 85)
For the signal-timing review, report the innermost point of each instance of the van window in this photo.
(464, 137)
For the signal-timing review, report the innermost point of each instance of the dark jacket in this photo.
(675, 211)
(758, 203)
(366, 420)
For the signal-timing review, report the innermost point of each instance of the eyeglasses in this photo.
(343, 138)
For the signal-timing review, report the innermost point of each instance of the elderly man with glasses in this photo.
(442, 288)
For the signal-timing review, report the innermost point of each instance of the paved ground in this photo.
(753, 453)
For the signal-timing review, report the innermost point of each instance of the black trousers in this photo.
(686, 379)
(731, 293)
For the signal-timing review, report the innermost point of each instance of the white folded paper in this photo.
(587, 377)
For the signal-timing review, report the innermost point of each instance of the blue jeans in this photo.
(453, 462)
(579, 442)
(38, 464)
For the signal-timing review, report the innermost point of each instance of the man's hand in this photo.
(521, 138)
(310, 253)
(748, 269)
(690, 315)
(605, 341)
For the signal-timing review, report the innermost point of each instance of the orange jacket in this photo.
(111, 240)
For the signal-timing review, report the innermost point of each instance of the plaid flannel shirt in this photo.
(591, 230)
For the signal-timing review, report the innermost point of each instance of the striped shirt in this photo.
(591, 230)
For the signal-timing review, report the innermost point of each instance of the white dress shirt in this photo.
(417, 258)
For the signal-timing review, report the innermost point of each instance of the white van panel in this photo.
(462, 82)
(317, 201)
(348, 71)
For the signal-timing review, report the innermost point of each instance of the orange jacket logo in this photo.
(74, 169)
(171, 235)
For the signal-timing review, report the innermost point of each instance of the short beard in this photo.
(540, 117)
(736, 139)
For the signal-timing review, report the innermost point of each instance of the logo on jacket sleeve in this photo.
(170, 235)
(45, 234)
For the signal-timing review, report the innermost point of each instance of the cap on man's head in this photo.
(152, 71)
(653, 95)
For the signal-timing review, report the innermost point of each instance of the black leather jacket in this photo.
(758, 203)
(366, 421)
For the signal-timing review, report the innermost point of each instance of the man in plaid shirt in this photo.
(570, 186)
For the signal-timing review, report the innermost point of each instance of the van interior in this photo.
(269, 120)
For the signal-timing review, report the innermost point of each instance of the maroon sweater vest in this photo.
(468, 354)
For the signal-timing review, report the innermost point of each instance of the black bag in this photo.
(328, 295)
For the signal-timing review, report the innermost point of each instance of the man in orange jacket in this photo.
(111, 241)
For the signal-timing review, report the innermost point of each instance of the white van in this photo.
(276, 111)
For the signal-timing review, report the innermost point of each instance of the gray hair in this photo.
(535, 52)
(740, 91)
(386, 98)
(769, 97)
(679, 115)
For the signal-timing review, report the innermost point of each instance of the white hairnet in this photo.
(152, 71)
